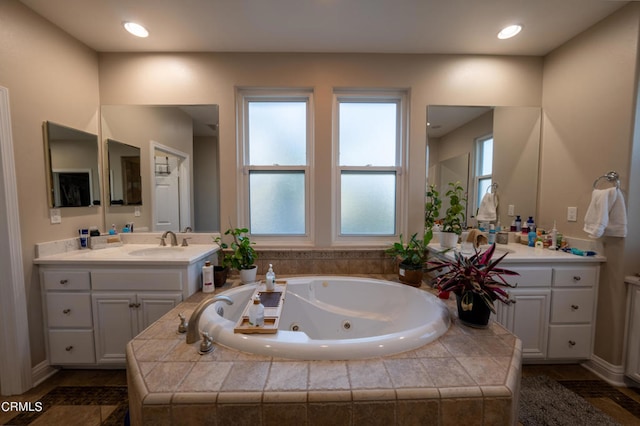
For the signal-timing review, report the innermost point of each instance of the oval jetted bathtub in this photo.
(335, 318)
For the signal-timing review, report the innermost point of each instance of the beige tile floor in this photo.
(622, 404)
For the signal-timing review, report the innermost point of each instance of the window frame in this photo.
(400, 98)
(244, 96)
(476, 176)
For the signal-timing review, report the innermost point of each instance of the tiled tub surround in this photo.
(467, 376)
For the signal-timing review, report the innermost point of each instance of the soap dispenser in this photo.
(256, 313)
(270, 279)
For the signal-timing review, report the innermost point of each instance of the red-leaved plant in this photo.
(477, 274)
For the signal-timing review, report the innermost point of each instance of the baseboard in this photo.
(612, 374)
(42, 372)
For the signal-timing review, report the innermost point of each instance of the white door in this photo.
(167, 196)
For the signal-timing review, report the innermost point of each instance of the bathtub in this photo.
(335, 318)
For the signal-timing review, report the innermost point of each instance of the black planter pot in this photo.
(219, 276)
(410, 274)
(478, 316)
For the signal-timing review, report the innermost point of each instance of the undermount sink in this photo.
(500, 249)
(157, 251)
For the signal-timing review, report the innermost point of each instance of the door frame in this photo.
(184, 184)
(15, 352)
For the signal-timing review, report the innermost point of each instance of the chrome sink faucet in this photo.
(174, 239)
(192, 326)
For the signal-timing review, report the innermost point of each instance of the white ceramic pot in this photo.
(248, 276)
(448, 240)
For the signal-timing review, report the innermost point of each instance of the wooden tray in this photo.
(272, 301)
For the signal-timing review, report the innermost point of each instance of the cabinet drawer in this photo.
(66, 280)
(570, 341)
(572, 305)
(143, 279)
(575, 276)
(69, 310)
(71, 347)
(530, 276)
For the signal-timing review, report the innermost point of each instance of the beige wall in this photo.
(50, 76)
(213, 79)
(588, 104)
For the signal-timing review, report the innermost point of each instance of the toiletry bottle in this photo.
(270, 279)
(84, 235)
(256, 313)
(491, 239)
(518, 224)
(113, 230)
(207, 278)
(513, 226)
(554, 235)
(531, 225)
(532, 239)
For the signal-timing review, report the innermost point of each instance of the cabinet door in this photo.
(528, 319)
(151, 306)
(632, 369)
(114, 317)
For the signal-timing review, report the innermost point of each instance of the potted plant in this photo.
(411, 257)
(431, 207)
(454, 218)
(476, 281)
(242, 255)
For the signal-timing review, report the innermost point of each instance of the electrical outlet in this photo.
(55, 216)
(511, 210)
(572, 214)
(136, 212)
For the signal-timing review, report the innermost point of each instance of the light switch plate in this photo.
(55, 216)
(511, 210)
(136, 212)
(572, 214)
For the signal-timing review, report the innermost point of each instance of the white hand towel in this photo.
(487, 212)
(607, 214)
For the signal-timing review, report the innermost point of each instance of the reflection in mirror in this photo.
(73, 178)
(125, 182)
(459, 131)
(192, 131)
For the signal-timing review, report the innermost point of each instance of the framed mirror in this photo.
(125, 181)
(71, 157)
(186, 134)
(503, 140)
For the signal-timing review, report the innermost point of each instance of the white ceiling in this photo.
(370, 26)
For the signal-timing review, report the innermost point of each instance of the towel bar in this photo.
(610, 177)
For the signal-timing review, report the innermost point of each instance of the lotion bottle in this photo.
(492, 234)
(270, 279)
(207, 278)
(256, 313)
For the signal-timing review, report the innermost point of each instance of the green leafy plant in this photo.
(242, 255)
(454, 219)
(431, 207)
(414, 252)
(477, 274)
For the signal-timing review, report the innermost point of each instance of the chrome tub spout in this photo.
(192, 327)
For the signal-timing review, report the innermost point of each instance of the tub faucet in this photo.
(174, 239)
(192, 327)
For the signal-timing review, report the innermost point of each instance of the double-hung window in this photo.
(369, 131)
(275, 154)
(484, 167)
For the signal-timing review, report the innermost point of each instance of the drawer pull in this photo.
(572, 343)
(134, 305)
(68, 348)
(576, 278)
(64, 282)
(66, 311)
(575, 307)
(137, 305)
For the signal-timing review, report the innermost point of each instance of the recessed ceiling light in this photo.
(509, 31)
(136, 29)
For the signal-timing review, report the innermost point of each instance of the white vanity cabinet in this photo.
(632, 365)
(554, 312)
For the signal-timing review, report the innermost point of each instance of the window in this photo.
(368, 138)
(275, 153)
(484, 167)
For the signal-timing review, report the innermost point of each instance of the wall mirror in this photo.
(71, 156)
(125, 182)
(182, 136)
(453, 135)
